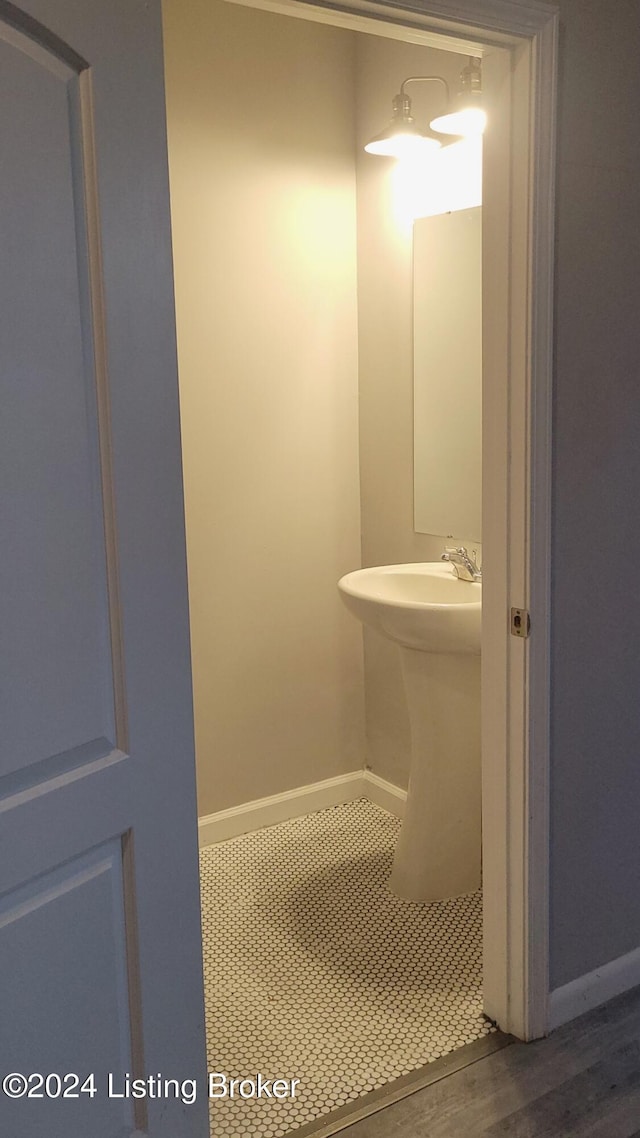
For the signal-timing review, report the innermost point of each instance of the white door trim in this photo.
(519, 230)
(516, 504)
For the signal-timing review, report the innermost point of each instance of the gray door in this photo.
(100, 952)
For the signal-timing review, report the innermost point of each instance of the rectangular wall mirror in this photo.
(447, 345)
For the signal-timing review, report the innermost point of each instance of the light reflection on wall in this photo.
(450, 179)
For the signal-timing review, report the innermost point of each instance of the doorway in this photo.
(508, 727)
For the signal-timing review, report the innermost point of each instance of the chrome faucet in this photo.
(464, 565)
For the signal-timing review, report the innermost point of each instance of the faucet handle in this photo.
(464, 567)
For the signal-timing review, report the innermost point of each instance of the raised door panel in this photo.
(62, 942)
(58, 693)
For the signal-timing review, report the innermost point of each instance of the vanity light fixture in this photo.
(464, 116)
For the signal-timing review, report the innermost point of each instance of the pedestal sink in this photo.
(435, 619)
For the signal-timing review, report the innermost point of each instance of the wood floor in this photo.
(581, 1082)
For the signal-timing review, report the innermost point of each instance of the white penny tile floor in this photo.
(315, 971)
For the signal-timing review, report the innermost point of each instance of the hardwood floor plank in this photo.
(603, 1044)
(621, 1120)
(578, 1102)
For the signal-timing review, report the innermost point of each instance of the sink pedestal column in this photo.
(439, 849)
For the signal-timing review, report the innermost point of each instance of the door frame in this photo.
(519, 42)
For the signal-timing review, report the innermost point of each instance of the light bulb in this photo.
(403, 145)
(465, 122)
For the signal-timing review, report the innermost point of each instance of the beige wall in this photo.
(385, 306)
(265, 144)
(261, 144)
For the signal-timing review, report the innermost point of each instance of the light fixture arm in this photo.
(424, 79)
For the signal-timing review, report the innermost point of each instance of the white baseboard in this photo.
(384, 793)
(593, 989)
(303, 800)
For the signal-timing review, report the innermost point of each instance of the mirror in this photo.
(447, 374)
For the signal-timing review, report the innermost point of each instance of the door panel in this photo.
(100, 951)
(84, 896)
(53, 594)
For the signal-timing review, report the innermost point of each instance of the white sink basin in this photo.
(422, 606)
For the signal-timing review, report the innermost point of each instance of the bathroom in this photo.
(294, 270)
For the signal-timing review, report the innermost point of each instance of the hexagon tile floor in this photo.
(315, 971)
